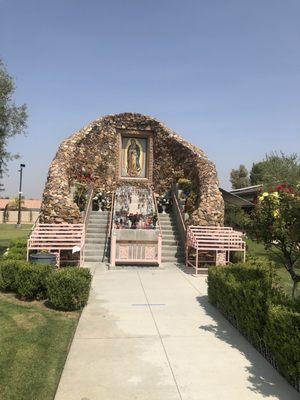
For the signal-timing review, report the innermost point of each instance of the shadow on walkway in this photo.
(263, 378)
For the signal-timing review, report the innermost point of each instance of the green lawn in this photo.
(9, 232)
(34, 340)
(257, 249)
(34, 343)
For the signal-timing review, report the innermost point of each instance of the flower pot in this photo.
(164, 209)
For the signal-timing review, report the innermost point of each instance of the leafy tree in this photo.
(234, 216)
(257, 173)
(12, 118)
(275, 169)
(275, 222)
(239, 177)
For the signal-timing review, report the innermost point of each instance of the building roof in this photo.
(231, 198)
(31, 204)
(246, 190)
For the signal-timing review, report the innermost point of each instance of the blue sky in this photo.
(225, 74)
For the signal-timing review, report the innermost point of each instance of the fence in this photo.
(11, 217)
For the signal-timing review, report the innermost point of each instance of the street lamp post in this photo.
(20, 195)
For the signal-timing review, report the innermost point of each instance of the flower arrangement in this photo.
(163, 202)
(102, 200)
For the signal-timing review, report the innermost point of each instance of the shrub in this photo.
(17, 250)
(234, 216)
(191, 202)
(240, 293)
(282, 336)
(8, 270)
(68, 288)
(249, 296)
(31, 280)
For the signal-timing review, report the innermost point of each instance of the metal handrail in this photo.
(87, 210)
(156, 210)
(87, 213)
(108, 235)
(34, 226)
(179, 211)
(111, 214)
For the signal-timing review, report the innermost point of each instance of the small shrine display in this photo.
(134, 209)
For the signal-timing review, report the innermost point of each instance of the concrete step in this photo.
(100, 213)
(168, 226)
(170, 236)
(95, 235)
(96, 247)
(173, 226)
(93, 259)
(166, 219)
(98, 221)
(94, 240)
(172, 248)
(172, 254)
(96, 230)
(170, 242)
(93, 253)
(97, 225)
(99, 217)
(169, 223)
(168, 231)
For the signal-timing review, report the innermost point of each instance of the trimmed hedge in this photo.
(31, 280)
(8, 271)
(249, 296)
(68, 288)
(282, 336)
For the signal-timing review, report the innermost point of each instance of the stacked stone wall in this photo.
(96, 147)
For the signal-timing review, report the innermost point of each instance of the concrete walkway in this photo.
(151, 334)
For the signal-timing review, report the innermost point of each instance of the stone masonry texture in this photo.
(96, 148)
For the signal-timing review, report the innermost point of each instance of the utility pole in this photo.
(20, 195)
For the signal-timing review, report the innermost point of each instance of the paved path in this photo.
(151, 334)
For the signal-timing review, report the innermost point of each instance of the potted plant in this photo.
(101, 201)
(163, 202)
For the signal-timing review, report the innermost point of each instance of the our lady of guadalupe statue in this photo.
(133, 158)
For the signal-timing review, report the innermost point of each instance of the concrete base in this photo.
(151, 334)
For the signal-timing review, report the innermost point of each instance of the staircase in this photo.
(96, 242)
(172, 249)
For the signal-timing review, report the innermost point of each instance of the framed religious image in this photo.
(134, 157)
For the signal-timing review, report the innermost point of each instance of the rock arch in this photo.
(96, 148)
